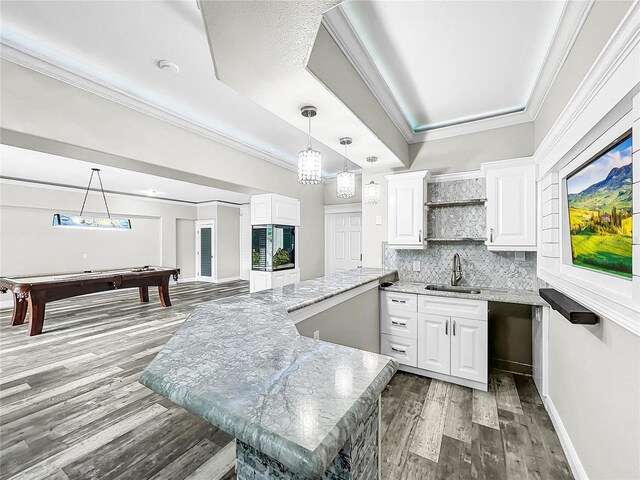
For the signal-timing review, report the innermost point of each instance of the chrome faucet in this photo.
(456, 270)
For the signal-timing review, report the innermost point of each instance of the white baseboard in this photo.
(577, 469)
(185, 280)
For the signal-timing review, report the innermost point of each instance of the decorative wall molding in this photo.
(577, 469)
(567, 29)
(21, 55)
(343, 208)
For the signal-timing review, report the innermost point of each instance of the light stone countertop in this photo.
(241, 364)
(526, 297)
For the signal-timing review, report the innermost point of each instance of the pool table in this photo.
(34, 291)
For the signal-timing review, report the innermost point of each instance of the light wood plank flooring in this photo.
(71, 407)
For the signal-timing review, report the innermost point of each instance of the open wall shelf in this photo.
(456, 203)
(460, 239)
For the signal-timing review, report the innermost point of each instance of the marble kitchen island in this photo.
(299, 407)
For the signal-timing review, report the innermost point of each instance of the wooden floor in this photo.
(71, 406)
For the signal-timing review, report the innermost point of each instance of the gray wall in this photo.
(29, 244)
(510, 343)
(228, 246)
(52, 111)
(594, 383)
(601, 22)
(185, 247)
(354, 323)
(330, 192)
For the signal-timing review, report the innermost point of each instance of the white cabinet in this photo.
(511, 205)
(259, 280)
(469, 348)
(440, 337)
(270, 208)
(435, 347)
(406, 213)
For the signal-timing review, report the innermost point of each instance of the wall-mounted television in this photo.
(600, 201)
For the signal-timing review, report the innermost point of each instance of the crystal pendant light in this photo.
(309, 160)
(371, 192)
(345, 180)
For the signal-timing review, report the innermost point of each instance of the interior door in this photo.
(345, 241)
(469, 349)
(204, 252)
(434, 333)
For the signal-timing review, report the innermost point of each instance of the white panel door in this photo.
(344, 250)
(469, 349)
(434, 345)
(406, 211)
(511, 206)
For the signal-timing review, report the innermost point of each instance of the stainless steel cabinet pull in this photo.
(491, 235)
(454, 328)
(398, 301)
(398, 350)
(394, 322)
(446, 328)
(419, 236)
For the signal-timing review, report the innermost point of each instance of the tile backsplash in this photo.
(480, 267)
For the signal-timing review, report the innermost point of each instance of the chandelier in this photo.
(371, 193)
(345, 180)
(86, 221)
(309, 160)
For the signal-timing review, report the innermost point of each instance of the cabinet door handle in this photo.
(395, 349)
(454, 328)
(491, 235)
(398, 301)
(446, 328)
(419, 236)
(394, 322)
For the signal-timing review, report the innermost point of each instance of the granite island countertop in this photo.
(525, 297)
(241, 364)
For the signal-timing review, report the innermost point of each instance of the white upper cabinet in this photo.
(272, 209)
(511, 205)
(406, 212)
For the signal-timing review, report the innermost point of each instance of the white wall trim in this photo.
(615, 52)
(302, 314)
(450, 177)
(21, 55)
(569, 24)
(565, 440)
(343, 208)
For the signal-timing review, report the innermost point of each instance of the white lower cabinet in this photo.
(435, 347)
(469, 348)
(403, 349)
(267, 280)
(442, 337)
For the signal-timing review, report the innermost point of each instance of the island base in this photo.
(357, 460)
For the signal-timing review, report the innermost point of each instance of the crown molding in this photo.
(36, 61)
(450, 177)
(567, 29)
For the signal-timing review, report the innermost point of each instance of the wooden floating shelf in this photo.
(568, 308)
(457, 203)
(463, 239)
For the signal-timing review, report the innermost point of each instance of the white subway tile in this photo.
(550, 236)
(550, 207)
(550, 221)
(636, 230)
(550, 250)
(550, 193)
(549, 179)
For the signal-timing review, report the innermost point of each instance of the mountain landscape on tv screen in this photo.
(600, 215)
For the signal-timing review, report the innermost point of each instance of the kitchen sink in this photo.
(447, 288)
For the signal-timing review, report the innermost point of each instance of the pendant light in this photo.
(309, 160)
(90, 222)
(371, 194)
(345, 180)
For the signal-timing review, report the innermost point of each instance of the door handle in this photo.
(491, 235)
(454, 328)
(446, 328)
(419, 236)
(395, 322)
(395, 349)
(398, 301)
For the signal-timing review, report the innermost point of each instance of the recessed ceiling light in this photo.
(167, 66)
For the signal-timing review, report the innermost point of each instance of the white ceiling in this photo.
(451, 62)
(29, 165)
(117, 44)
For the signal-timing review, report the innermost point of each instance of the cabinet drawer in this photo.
(393, 302)
(401, 323)
(453, 307)
(405, 350)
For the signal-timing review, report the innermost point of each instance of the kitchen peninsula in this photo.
(297, 406)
